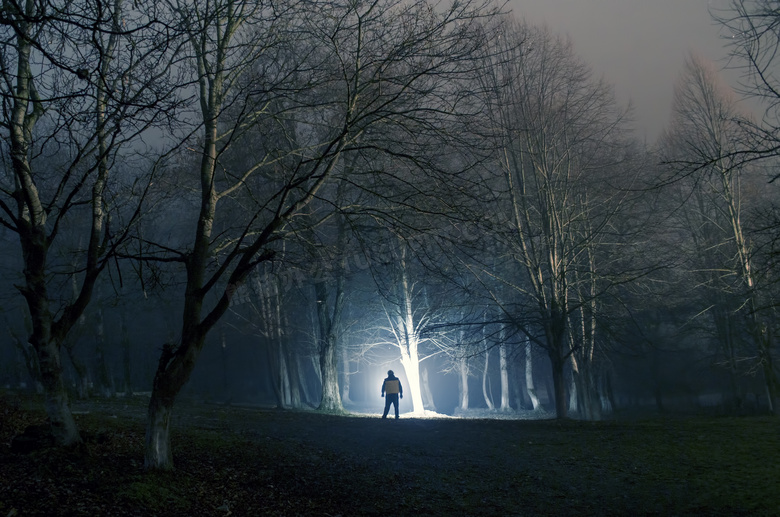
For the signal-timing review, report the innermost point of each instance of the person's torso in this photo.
(392, 386)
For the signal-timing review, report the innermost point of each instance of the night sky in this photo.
(637, 45)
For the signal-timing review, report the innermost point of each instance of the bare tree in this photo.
(330, 310)
(702, 146)
(338, 74)
(407, 315)
(750, 30)
(78, 82)
(558, 135)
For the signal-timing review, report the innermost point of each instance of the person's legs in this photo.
(387, 405)
(395, 403)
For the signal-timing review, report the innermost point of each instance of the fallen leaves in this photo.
(303, 463)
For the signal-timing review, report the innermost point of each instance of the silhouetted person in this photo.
(392, 386)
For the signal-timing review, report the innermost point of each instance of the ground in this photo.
(234, 461)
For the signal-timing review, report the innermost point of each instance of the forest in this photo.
(271, 204)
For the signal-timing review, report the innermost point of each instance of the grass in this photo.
(232, 461)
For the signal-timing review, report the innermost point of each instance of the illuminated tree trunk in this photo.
(504, 369)
(463, 382)
(345, 375)
(529, 376)
(410, 358)
(284, 376)
(485, 380)
(426, 391)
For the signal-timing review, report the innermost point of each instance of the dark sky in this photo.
(637, 45)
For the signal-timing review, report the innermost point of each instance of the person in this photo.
(392, 386)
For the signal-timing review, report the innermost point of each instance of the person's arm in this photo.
(400, 390)
(383, 388)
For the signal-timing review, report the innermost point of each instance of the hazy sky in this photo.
(639, 46)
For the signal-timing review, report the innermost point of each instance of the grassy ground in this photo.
(232, 461)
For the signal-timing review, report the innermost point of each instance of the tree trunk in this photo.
(345, 376)
(555, 333)
(722, 319)
(46, 342)
(559, 384)
(284, 376)
(315, 366)
(104, 381)
(574, 402)
(126, 365)
(529, 376)
(331, 398)
(275, 373)
(770, 376)
(409, 342)
(609, 393)
(173, 372)
(588, 394)
(657, 392)
(518, 387)
(463, 382)
(504, 370)
(295, 387)
(411, 364)
(82, 375)
(328, 329)
(303, 381)
(158, 432)
(63, 426)
(485, 381)
(426, 391)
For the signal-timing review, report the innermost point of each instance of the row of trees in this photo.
(458, 179)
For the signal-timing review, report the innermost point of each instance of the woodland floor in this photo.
(247, 462)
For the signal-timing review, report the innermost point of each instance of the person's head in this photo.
(390, 373)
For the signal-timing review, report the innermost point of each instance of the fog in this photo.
(638, 46)
(452, 195)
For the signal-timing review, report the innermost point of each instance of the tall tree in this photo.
(330, 301)
(78, 82)
(702, 147)
(339, 75)
(407, 314)
(558, 134)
